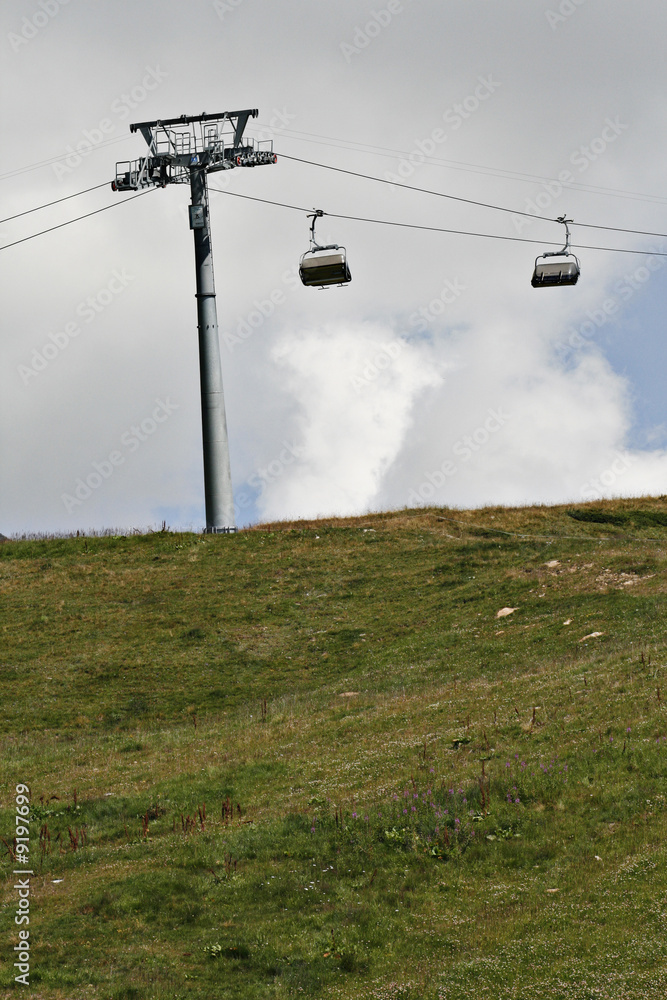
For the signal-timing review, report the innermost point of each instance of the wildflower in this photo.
(437, 829)
(405, 812)
(416, 795)
(354, 815)
(465, 801)
(432, 770)
(312, 829)
(629, 729)
(456, 820)
(507, 764)
(516, 802)
(414, 809)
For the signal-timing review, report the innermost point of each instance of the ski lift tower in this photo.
(184, 151)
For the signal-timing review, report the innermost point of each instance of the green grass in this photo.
(287, 762)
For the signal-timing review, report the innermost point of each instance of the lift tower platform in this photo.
(185, 150)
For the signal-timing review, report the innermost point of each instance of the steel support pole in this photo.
(217, 470)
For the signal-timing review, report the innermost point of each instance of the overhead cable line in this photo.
(336, 215)
(464, 166)
(410, 187)
(467, 201)
(435, 229)
(56, 202)
(61, 156)
(78, 219)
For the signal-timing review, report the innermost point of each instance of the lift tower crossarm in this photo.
(175, 145)
(241, 116)
(185, 150)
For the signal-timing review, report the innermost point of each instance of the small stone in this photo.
(591, 635)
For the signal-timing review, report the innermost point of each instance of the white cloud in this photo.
(354, 387)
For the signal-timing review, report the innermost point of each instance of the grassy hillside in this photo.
(312, 759)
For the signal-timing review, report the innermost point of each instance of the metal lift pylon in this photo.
(185, 150)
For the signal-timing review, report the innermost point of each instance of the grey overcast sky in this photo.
(439, 375)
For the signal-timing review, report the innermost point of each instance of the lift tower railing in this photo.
(185, 150)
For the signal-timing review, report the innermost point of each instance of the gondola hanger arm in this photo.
(566, 248)
(317, 213)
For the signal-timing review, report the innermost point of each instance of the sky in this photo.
(438, 376)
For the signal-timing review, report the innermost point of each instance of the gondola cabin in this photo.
(549, 271)
(325, 266)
